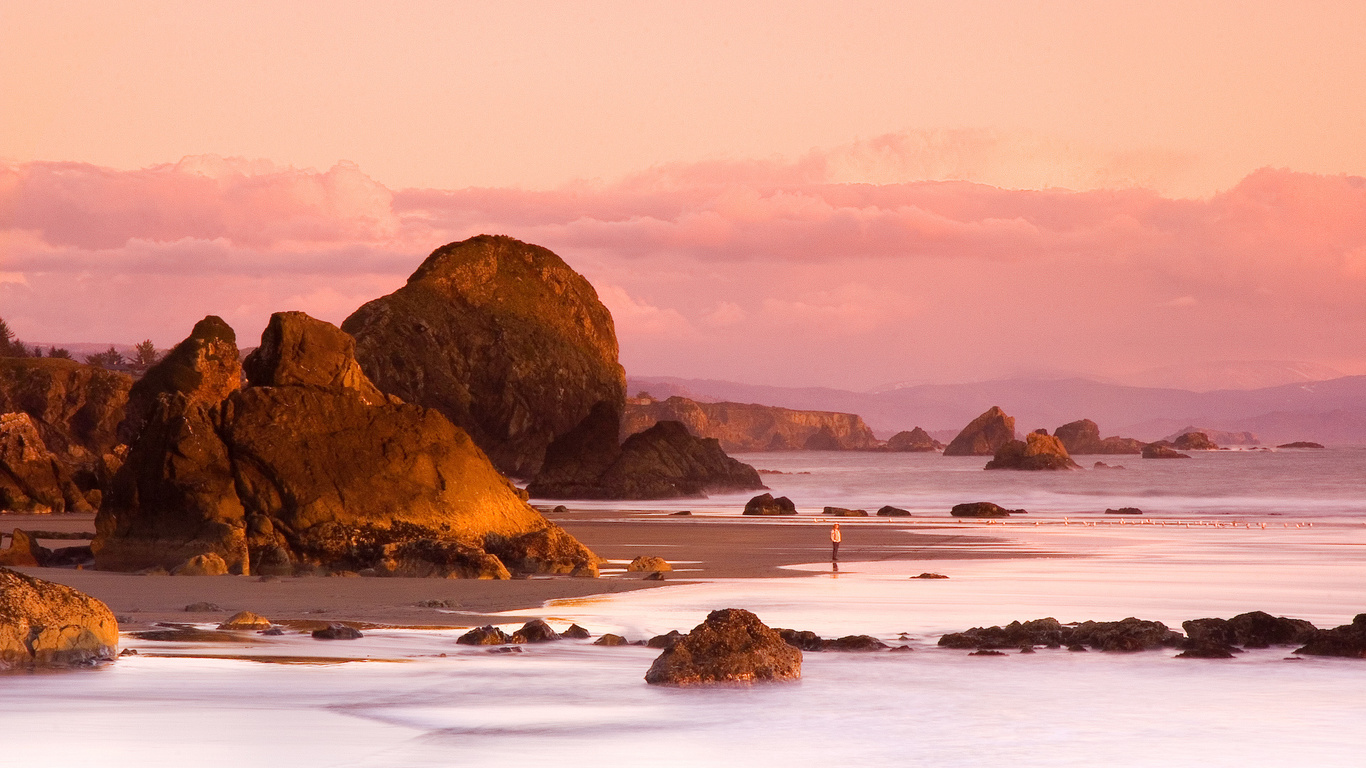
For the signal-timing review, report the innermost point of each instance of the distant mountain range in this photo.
(1332, 412)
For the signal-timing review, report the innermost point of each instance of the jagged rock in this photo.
(1038, 451)
(1347, 640)
(842, 512)
(663, 462)
(984, 435)
(648, 564)
(337, 632)
(802, 640)
(752, 427)
(24, 550)
(1124, 511)
(535, 631)
(32, 479)
(915, 441)
(1256, 629)
(611, 640)
(1083, 437)
(983, 509)
(208, 564)
(1302, 444)
(1160, 451)
(204, 368)
(891, 511)
(310, 467)
(485, 635)
(732, 645)
(1194, 441)
(765, 504)
(46, 624)
(245, 620)
(575, 632)
(502, 338)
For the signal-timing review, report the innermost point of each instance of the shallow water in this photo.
(572, 703)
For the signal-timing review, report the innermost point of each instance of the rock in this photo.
(309, 468)
(1036, 452)
(1347, 641)
(802, 640)
(656, 576)
(682, 513)
(1124, 511)
(984, 435)
(209, 564)
(204, 368)
(983, 509)
(765, 504)
(485, 635)
(854, 643)
(575, 632)
(1255, 629)
(1160, 451)
(1083, 437)
(890, 511)
(986, 653)
(664, 641)
(1103, 465)
(24, 550)
(732, 645)
(245, 620)
(32, 479)
(44, 624)
(535, 631)
(272, 632)
(1301, 444)
(1128, 635)
(502, 338)
(610, 639)
(752, 427)
(663, 462)
(842, 512)
(915, 441)
(928, 575)
(202, 607)
(1194, 441)
(337, 632)
(65, 557)
(1212, 436)
(648, 564)
(1207, 651)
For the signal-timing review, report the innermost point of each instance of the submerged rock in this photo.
(984, 435)
(45, 624)
(842, 512)
(732, 645)
(765, 504)
(1038, 451)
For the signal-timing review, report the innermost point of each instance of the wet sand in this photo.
(701, 547)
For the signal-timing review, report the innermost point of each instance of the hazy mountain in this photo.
(1234, 374)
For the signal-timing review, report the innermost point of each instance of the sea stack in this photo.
(984, 435)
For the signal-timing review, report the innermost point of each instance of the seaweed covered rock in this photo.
(731, 646)
(1038, 451)
(915, 441)
(502, 338)
(46, 624)
(1083, 437)
(984, 435)
(309, 465)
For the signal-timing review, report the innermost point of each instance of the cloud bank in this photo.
(763, 271)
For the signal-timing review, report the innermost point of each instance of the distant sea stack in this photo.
(915, 441)
(309, 466)
(984, 435)
(502, 338)
(742, 427)
(1083, 437)
(1038, 451)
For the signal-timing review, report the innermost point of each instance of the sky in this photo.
(846, 194)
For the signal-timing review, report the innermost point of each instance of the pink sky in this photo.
(790, 194)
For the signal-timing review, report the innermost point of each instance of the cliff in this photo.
(741, 427)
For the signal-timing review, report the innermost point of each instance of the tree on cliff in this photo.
(9, 345)
(106, 359)
(61, 352)
(144, 355)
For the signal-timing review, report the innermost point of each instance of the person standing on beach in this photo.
(835, 543)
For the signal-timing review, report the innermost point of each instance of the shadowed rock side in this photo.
(1083, 438)
(984, 435)
(46, 624)
(750, 427)
(310, 466)
(502, 338)
(76, 409)
(204, 367)
(663, 462)
(1038, 451)
(32, 479)
(731, 646)
(915, 441)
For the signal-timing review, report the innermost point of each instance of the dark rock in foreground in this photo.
(1083, 437)
(1347, 641)
(765, 504)
(891, 511)
(984, 435)
(915, 441)
(1038, 451)
(732, 645)
(45, 624)
(983, 509)
(1160, 451)
(575, 632)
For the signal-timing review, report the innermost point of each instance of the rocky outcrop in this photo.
(663, 462)
(204, 368)
(1162, 451)
(983, 509)
(1256, 629)
(984, 435)
(1127, 635)
(24, 550)
(915, 441)
(1194, 441)
(1302, 444)
(502, 338)
(765, 504)
(46, 624)
(648, 564)
(32, 479)
(749, 427)
(891, 511)
(731, 646)
(1219, 436)
(841, 512)
(1347, 641)
(1038, 451)
(1083, 438)
(309, 466)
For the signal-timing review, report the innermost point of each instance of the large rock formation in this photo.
(1038, 451)
(502, 338)
(731, 646)
(1083, 438)
(984, 435)
(765, 504)
(1194, 441)
(311, 466)
(32, 479)
(915, 441)
(663, 462)
(46, 624)
(750, 427)
(204, 368)
(1162, 450)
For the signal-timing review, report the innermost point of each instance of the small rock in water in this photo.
(1124, 511)
(610, 639)
(928, 575)
(273, 631)
(128, 652)
(506, 649)
(1077, 648)
(245, 620)
(843, 512)
(202, 607)
(648, 564)
(1027, 649)
(902, 649)
(656, 576)
(682, 513)
(983, 509)
(853, 643)
(535, 631)
(337, 632)
(665, 641)
(986, 652)
(731, 646)
(438, 604)
(485, 635)
(890, 511)
(575, 632)
(1103, 465)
